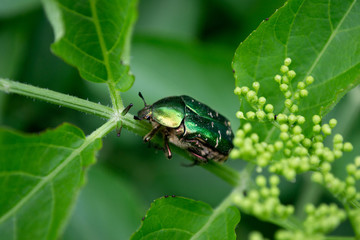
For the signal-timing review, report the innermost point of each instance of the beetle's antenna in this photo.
(141, 96)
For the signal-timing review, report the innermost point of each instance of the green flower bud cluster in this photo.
(346, 189)
(263, 111)
(319, 221)
(263, 202)
(285, 86)
(248, 147)
(323, 219)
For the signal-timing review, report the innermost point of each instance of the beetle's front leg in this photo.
(167, 150)
(152, 133)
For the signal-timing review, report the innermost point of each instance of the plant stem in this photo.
(115, 98)
(50, 96)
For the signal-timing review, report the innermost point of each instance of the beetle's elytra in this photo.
(190, 125)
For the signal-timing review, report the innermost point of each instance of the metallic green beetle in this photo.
(190, 125)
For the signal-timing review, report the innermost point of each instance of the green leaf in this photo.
(107, 208)
(94, 36)
(40, 175)
(182, 218)
(322, 39)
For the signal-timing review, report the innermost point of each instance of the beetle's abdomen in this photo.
(212, 133)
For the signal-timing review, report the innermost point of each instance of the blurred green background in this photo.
(178, 47)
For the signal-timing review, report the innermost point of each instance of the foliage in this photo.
(289, 73)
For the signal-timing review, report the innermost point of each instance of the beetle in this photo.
(190, 125)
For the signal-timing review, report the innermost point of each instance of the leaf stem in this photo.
(50, 96)
(115, 97)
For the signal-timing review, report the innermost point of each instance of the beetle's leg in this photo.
(167, 150)
(126, 110)
(118, 130)
(152, 133)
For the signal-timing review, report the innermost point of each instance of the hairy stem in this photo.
(57, 98)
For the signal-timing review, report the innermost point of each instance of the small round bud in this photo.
(281, 118)
(278, 145)
(314, 160)
(309, 80)
(304, 93)
(301, 85)
(288, 94)
(291, 74)
(333, 122)
(317, 177)
(287, 61)
(292, 119)
(319, 138)
(284, 69)
(338, 138)
(254, 195)
(270, 116)
(284, 136)
(240, 115)
(284, 127)
(300, 119)
(261, 181)
(250, 115)
(348, 147)
(350, 180)
(251, 95)
(254, 137)
(316, 129)
(297, 96)
(325, 167)
(277, 78)
(269, 108)
(262, 101)
(351, 169)
(247, 127)
(274, 180)
(255, 236)
(297, 130)
(350, 192)
(289, 174)
(310, 209)
(285, 80)
(288, 103)
(260, 114)
(326, 129)
(294, 108)
(237, 91)
(337, 153)
(306, 142)
(240, 133)
(357, 161)
(284, 87)
(316, 119)
(256, 86)
(244, 90)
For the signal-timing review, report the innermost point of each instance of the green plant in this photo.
(289, 74)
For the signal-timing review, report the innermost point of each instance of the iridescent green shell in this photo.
(200, 121)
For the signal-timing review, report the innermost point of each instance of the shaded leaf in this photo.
(107, 208)
(40, 175)
(182, 218)
(94, 37)
(321, 38)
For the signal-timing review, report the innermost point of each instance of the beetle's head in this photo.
(144, 113)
